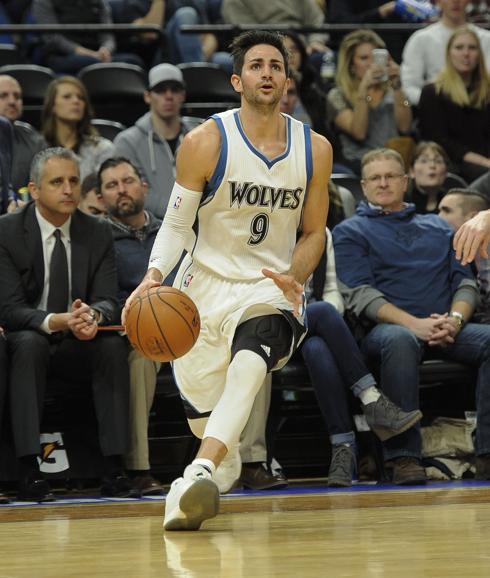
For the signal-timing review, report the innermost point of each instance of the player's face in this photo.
(10, 98)
(263, 78)
(464, 53)
(122, 191)
(384, 183)
(166, 99)
(451, 211)
(69, 103)
(92, 204)
(58, 193)
(429, 170)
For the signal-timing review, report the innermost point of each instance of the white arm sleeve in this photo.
(175, 230)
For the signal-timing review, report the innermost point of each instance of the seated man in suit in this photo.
(59, 283)
(399, 273)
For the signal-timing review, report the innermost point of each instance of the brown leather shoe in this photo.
(257, 476)
(147, 485)
(482, 467)
(408, 471)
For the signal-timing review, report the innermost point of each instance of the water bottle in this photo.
(327, 69)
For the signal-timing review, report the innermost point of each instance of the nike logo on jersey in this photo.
(264, 196)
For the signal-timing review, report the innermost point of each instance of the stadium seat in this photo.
(107, 128)
(208, 89)
(9, 54)
(34, 81)
(454, 181)
(115, 90)
(350, 182)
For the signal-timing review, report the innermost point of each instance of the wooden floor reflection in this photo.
(413, 541)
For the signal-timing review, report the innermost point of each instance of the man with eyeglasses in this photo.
(400, 276)
(152, 142)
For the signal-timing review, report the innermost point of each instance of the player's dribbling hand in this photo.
(293, 291)
(142, 287)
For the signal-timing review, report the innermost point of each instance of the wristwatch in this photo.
(459, 318)
(93, 315)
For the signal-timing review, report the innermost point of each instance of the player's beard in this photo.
(259, 101)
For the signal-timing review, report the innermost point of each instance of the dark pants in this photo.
(335, 364)
(3, 376)
(103, 360)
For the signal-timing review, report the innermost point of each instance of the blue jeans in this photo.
(334, 363)
(184, 47)
(399, 352)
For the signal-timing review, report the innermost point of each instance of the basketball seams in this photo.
(158, 323)
(189, 326)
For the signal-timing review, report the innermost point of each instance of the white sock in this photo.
(198, 469)
(369, 395)
(208, 464)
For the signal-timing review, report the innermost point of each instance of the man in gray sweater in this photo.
(152, 142)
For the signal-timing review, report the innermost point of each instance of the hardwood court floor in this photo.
(429, 537)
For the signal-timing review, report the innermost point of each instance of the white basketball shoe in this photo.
(228, 472)
(191, 500)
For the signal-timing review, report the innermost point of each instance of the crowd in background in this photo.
(427, 98)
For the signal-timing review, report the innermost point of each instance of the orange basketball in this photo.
(163, 323)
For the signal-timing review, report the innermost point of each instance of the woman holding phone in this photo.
(455, 109)
(368, 106)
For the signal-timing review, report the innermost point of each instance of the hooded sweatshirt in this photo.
(402, 258)
(154, 158)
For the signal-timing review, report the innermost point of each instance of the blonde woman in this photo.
(66, 120)
(455, 108)
(367, 106)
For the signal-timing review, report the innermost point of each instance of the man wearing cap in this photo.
(152, 142)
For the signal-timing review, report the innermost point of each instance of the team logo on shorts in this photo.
(177, 202)
(188, 280)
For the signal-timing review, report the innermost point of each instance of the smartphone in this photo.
(380, 57)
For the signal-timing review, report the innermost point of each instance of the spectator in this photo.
(27, 141)
(3, 390)
(334, 362)
(455, 110)
(399, 273)
(428, 174)
(58, 284)
(6, 146)
(123, 191)
(457, 207)
(91, 202)
(12, 12)
(368, 106)
(69, 52)
(65, 119)
(424, 52)
(306, 13)
(152, 142)
(482, 184)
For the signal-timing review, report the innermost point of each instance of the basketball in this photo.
(163, 324)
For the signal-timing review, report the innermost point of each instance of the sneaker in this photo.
(482, 467)
(257, 476)
(190, 501)
(387, 420)
(408, 471)
(228, 472)
(342, 466)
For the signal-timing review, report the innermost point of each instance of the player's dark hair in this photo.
(247, 40)
(112, 163)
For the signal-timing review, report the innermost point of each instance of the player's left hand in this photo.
(82, 323)
(293, 291)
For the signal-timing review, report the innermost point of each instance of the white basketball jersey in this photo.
(252, 207)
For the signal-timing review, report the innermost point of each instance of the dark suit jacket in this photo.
(93, 269)
(6, 152)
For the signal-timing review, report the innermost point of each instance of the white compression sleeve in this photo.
(175, 230)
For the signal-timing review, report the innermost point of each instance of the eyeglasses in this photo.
(389, 178)
(427, 160)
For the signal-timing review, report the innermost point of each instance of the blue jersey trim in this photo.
(269, 163)
(219, 172)
(308, 154)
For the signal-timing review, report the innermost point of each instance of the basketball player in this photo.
(247, 181)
